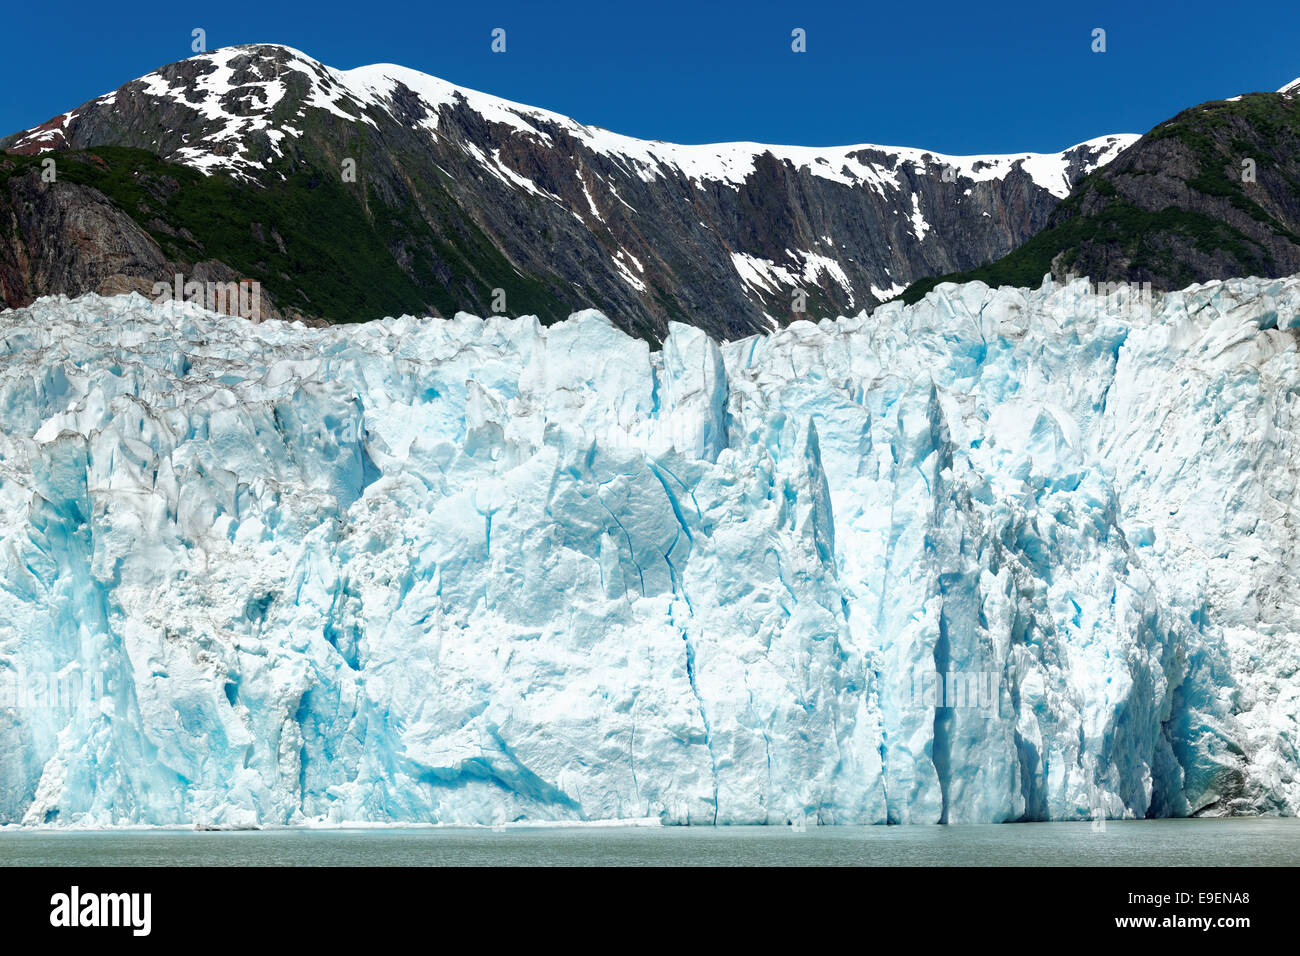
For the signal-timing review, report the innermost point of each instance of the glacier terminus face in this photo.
(1000, 555)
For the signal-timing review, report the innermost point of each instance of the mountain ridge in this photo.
(368, 78)
(472, 194)
(1211, 193)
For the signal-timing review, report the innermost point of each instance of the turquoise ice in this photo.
(1000, 555)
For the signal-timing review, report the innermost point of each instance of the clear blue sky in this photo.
(954, 77)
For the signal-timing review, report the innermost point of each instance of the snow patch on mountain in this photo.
(761, 274)
(919, 226)
(621, 261)
(806, 269)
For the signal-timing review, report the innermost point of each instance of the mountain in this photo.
(999, 555)
(1212, 193)
(235, 160)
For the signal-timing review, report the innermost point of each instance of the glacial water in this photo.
(1230, 842)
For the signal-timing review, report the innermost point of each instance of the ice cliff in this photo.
(1000, 555)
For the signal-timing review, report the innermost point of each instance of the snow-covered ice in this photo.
(478, 571)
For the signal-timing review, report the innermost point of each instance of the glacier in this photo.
(1000, 555)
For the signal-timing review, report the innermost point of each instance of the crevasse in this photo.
(1000, 555)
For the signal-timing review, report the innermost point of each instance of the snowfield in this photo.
(1000, 555)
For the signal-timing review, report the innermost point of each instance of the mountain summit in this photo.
(351, 194)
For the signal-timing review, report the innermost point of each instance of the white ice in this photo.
(477, 571)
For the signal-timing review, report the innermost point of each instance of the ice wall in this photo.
(999, 555)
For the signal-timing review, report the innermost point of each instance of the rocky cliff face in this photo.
(60, 237)
(1231, 169)
(1212, 193)
(464, 194)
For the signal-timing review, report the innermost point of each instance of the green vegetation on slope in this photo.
(1262, 126)
(307, 238)
(1133, 230)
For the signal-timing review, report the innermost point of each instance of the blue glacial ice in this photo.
(1000, 555)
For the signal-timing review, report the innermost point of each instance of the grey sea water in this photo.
(1232, 842)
